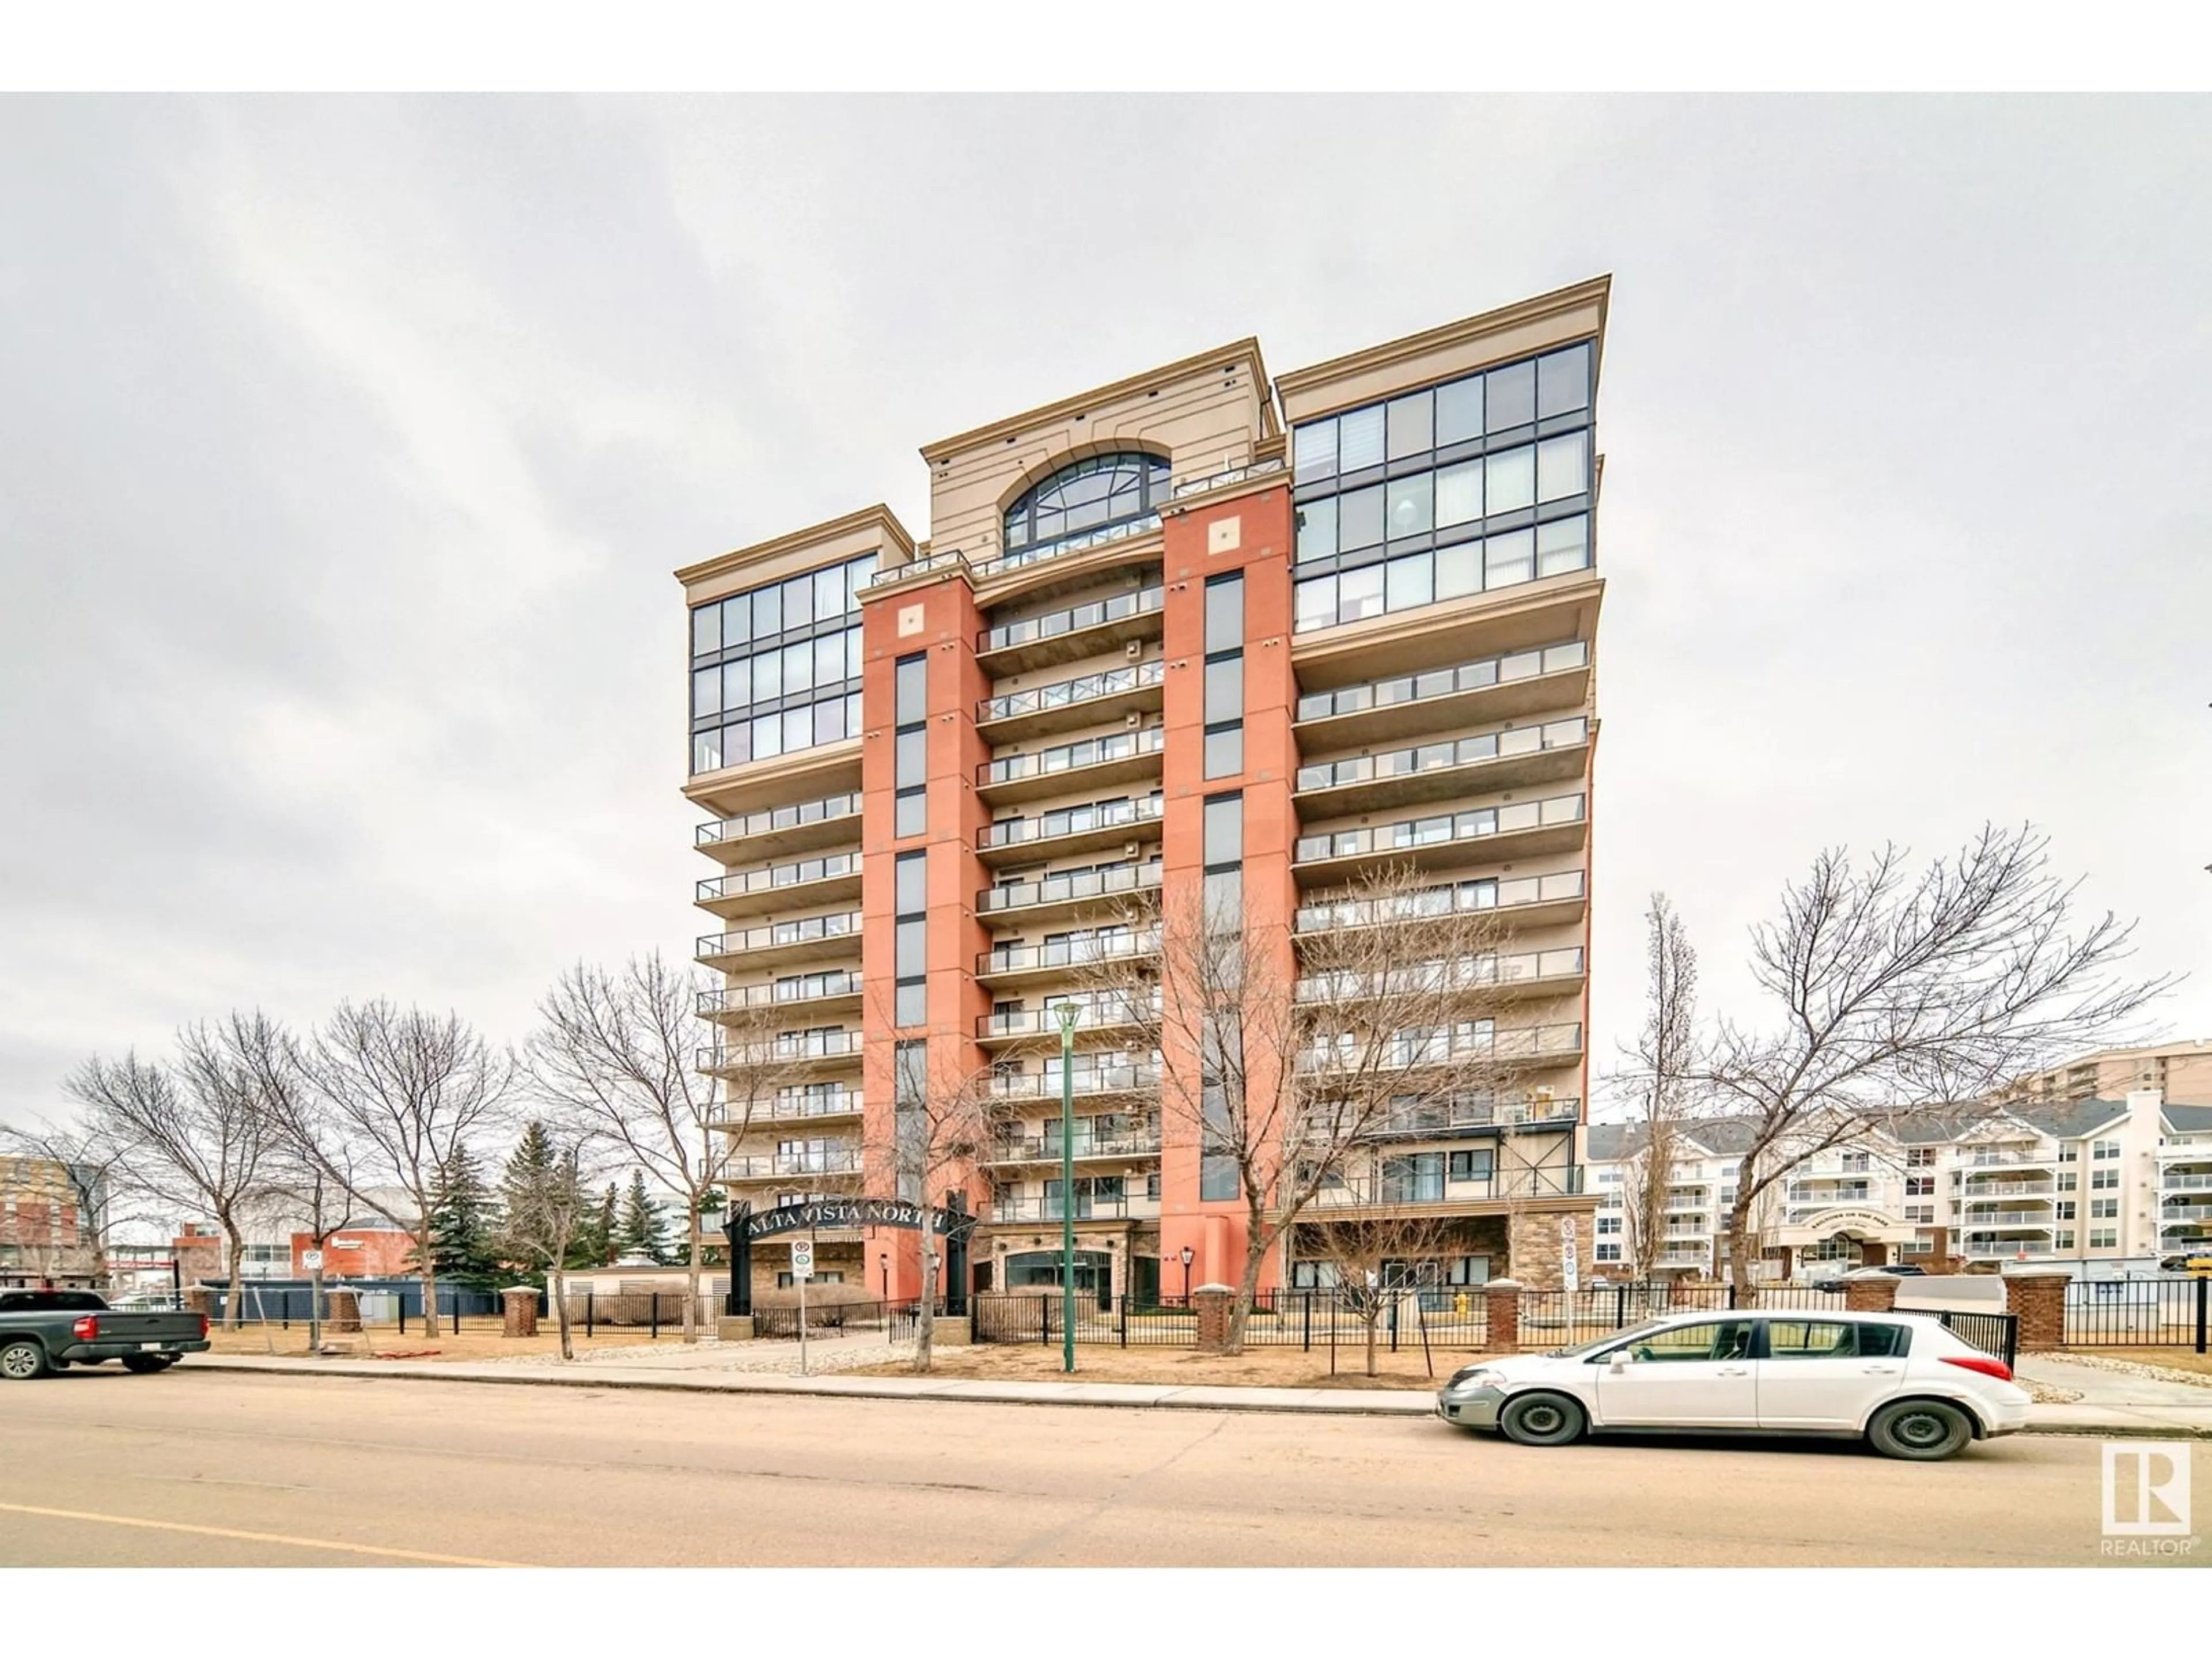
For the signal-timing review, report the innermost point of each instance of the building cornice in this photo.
(1243, 353)
(879, 517)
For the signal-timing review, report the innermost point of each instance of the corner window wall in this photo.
(777, 668)
(1481, 483)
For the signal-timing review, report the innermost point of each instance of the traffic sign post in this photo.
(312, 1260)
(802, 1269)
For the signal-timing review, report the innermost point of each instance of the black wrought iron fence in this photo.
(2137, 1313)
(1308, 1320)
(1995, 1334)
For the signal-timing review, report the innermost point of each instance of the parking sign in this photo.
(802, 1259)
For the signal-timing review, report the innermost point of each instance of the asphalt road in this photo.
(107, 1469)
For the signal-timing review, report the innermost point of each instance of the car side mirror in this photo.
(1617, 1361)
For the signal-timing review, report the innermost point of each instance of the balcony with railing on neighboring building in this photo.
(1115, 757)
(2008, 1157)
(1138, 1141)
(1444, 1120)
(1070, 829)
(1088, 1082)
(1056, 958)
(799, 1048)
(1070, 635)
(1086, 700)
(1524, 973)
(2185, 1149)
(786, 1106)
(1520, 902)
(2170, 1182)
(1516, 684)
(2184, 1215)
(2002, 1219)
(839, 988)
(2002, 1250)
(1557, 1044)
(1066, 895)
(1982, 1184)
(1556, 751)
(838, 935)
(1982, 1197)
(1038, 1207)
(779, 830)
(782, 886)
(1489, 834)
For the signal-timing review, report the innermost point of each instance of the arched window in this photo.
(1089, 494)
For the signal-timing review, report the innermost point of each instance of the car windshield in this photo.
(1578, 1350)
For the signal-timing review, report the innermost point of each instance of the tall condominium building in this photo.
(2178, 1071)
(1188, 629)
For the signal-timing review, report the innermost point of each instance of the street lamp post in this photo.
(1069, 1013)
(1188, 1253)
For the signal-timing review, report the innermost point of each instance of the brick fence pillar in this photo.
(1870, 1294)
(201, 1302)
(1502, 1300)
(1215, 1303)
(2038, 1302)
(345, 1311)
(520, 1305)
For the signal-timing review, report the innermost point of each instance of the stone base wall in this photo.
(1535, 1255)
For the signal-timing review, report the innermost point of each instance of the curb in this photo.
(861, 1389)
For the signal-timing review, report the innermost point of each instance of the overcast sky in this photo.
(346, 448)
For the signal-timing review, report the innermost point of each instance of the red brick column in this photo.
(202, 1303)
(520, 1305)
(345, 1311)
(1503, 1297)
(1215, 1303)
(1870, 1294)
(2039, 1301)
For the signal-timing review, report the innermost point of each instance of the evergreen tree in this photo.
(526, 1187)
(594, 1243)
(642, 1231)
(464, 1224)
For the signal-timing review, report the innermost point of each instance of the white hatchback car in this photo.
(1901, 1382)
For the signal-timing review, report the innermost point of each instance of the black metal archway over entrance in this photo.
(743, 1224)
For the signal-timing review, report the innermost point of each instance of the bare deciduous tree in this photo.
(1663, 1059)
(1290, 1061)
(1377, 1262)
(194, 1136)
(90, 1161)
(383, 1098)
(546, 1198)
(943, 1120)
(1891, 991)
(615, 1056)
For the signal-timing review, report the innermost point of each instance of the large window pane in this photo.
(1317, 529)
(911, 1008)
(767, 614)
(1408, 583)
(767, 676)
(1459, 411)
(1459, 494)
(910, 887)
(1359, 593)
(705, 630)
(737, 743)
(1412, 425)
(706, 750)
(1509, 559)
(829, 721)
(707, 692)
(829, 659)
(1315, 604)
(1224, 753)
(799, 667)
(1224, 689)
(1224, 613)
(1314, 451)
(1459, 570)
(1509, 396)
(1359, 439)
(1509, 481)
(1223, 836)
(1563, 546)
(1563, 381)
(768, 737)
(911, 690)
(798, 602)
(1359, 518)
(852, 654)
(1563, 466)
(1410, 505)
(911, 760)
(736, 620)
(910, 816)
(829, 593)
(797, 729)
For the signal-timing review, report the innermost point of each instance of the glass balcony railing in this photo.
(813, 988)
(1991, 1159)
(781, 875)
(1229, 476)
(793, 1105)
(1078, 884)
(1089, 1080)
(950, 559)
(1136, 1141)
(1440, 1119)
(778, 818)
(1445, 756)
(781, 1164)
(1467, 973)
(2185, 1214)
(1443, 681)
(1071, 694)
(808, 1045)
(1060, 547)
(1073, 620)
(1997, 1192)
(1073, 821)
(2185, 1183)
(1384, 1191)
(1032, 1206)
(1093, 1013)
(1069, 953)
(1443, 1048)
(842, 924)
(1441, 900)
(1443, 830)
(1073, 757)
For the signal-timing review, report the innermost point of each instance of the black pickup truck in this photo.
(44, 1331)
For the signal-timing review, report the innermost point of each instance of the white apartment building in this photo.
(2097, 1188)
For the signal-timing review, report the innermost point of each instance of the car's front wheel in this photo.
(1541, 1419)
(1921, 1431)
(21, 1360)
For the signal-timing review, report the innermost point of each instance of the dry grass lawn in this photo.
(478, 1340)
(1270, 1368)
(2170, 1359)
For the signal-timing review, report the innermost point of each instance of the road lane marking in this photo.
(256, 1537)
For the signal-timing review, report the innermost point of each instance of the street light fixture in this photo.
(1187, 1255)
(1069, 1013)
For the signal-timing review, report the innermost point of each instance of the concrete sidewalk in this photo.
(2138, 1410)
